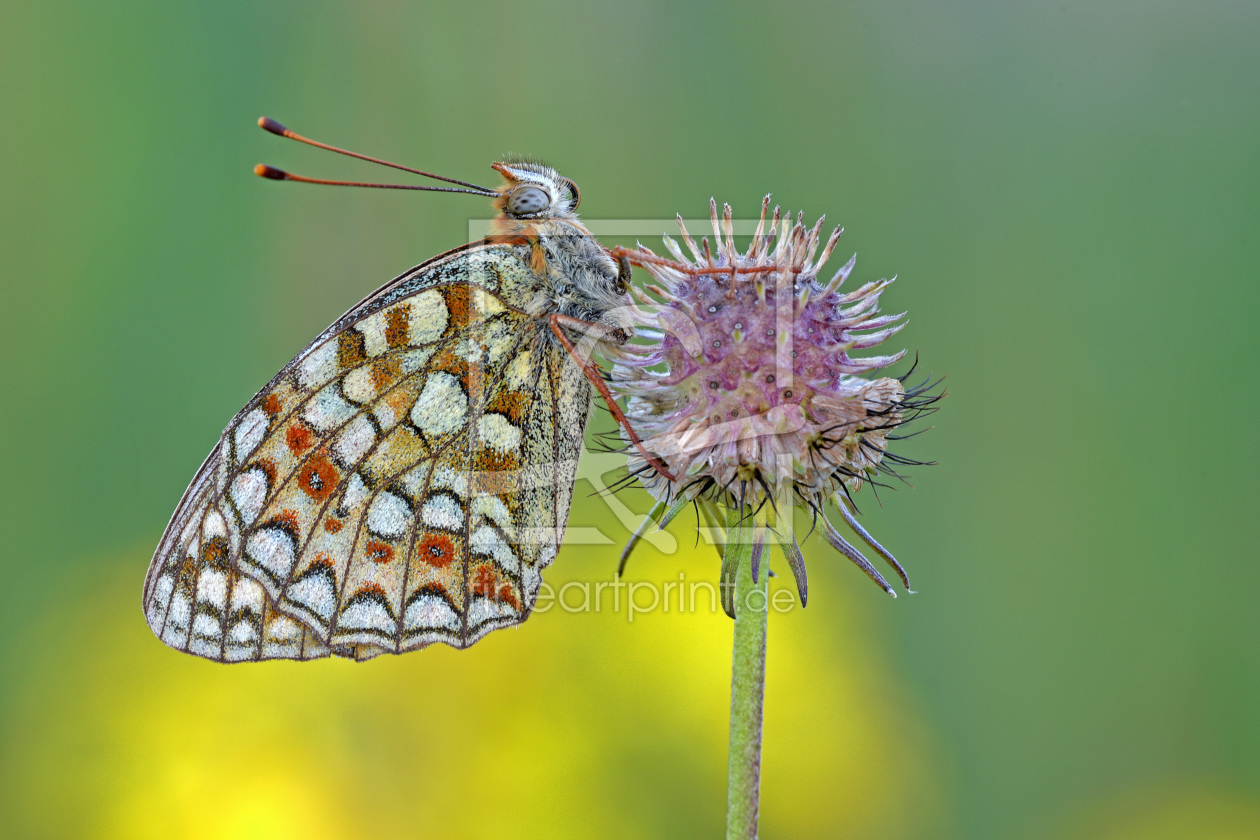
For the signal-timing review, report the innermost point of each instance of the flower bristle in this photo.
(747, 387)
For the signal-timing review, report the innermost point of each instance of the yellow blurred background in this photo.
(1069, 193)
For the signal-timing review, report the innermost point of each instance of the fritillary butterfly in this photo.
(407, 477)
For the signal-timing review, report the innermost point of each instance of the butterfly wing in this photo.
(403, 481)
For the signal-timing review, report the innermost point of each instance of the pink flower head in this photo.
(751, 389)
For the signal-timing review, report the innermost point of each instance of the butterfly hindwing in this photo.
(403, 481)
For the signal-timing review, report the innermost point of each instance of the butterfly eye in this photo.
(526, 201)
(573, 191)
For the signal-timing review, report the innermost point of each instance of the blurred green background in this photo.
(1069, 193)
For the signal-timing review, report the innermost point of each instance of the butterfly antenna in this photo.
(262, 170)
(268, 124)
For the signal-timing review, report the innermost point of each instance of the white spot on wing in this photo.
(482, 610)
(519, 373)
(281, 628)
(355, 440)
(498, 433)
(442, 512)
(385, 415)
(492, 508)
(366, 614)
(249, 433)
(430, 611)
(486, 541)
(247, 593)
(271, 549)
(373, 329)
(357, 385)
(355, 492)
(248, 492)
(212, 587)
(442, 407)
(413, 480)
(484, 303)
(215, 526)
(318, 367)
(445, 478)
(327, 410)
(428, 317)
(242, 633)
(204, 625)
(388, 516)
(316, 594)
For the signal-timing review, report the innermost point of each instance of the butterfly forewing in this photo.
(403, 481)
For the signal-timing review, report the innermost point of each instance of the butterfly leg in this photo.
(624, 273)
(593, 373)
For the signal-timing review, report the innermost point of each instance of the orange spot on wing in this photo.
(507, 596)
(271, 405)
(351, 348)
(214, 553)
(435, 550)
(448, 362)
(318, 479)
(385, 371)
(484, 581)
(289, 519)
(298, 437)
(457, 304)
(332, 525)
(496, 472)
(515, 404)
(488, 584)
(401, 400)
(397, 325)
(379, 552)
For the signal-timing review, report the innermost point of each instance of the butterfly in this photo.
(407, 477)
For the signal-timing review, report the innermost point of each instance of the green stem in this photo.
(748, 682)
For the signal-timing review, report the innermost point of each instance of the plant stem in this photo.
(748, 682)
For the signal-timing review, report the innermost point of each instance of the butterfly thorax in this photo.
(577, 277)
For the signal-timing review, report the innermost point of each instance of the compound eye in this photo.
(526, 201)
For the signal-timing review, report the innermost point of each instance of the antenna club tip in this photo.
(262, 170)
(268, 124)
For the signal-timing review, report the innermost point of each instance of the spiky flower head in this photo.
(751, 390)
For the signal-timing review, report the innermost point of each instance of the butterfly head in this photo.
(533, 192)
